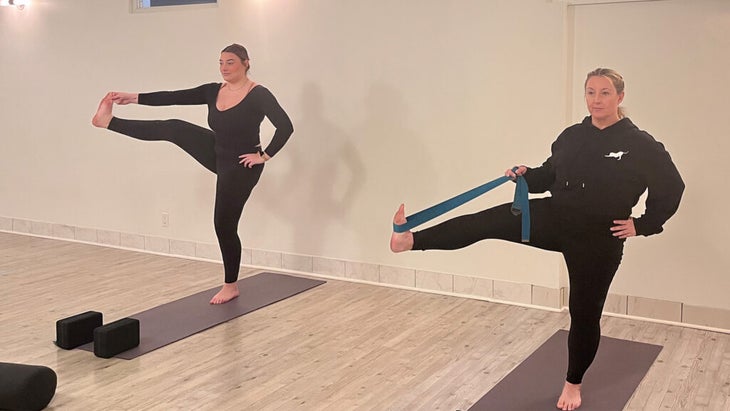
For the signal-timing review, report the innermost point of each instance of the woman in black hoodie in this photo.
(596, 173)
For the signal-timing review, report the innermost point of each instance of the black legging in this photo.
(233, 186)
(591, 253)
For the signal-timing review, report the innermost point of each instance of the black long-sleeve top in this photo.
(604, 172)
(237, 129)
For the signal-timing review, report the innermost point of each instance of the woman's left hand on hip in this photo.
(249, 160)
(624, 228)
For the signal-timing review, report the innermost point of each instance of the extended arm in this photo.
(540, 179)
(197, 95)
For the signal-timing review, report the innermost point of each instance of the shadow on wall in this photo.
(323, 179)
(403, 169)
(330, 194)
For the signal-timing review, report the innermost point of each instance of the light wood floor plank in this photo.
(340, 346)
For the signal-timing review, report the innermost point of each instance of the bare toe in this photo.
(226, 294)
(570, 398)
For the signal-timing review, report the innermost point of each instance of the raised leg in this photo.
(197, 141)
(494, 223)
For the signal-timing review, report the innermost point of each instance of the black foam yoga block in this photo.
(77, 330)
(116, 337)
(26, 387)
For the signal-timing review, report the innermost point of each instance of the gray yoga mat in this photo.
(608, 385)
(182, 318)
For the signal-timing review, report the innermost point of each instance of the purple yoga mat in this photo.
(182, 318)
(608, 385)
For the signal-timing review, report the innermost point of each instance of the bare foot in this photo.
(570, 398)
(103, 115)
(226, 294)
(400, 242)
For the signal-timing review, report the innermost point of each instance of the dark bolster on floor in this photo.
(26, 387)
(116, 337)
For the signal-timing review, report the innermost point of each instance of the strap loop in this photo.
(520, 205)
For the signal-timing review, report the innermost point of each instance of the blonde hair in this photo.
(616, 79)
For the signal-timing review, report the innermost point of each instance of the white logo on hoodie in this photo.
(616, 155)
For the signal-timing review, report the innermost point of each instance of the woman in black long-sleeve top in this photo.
(596, 173)
(232, 150)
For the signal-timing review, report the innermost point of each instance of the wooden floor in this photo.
(341, 346)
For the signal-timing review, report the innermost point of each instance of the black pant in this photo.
(233, 186)
(591, 253)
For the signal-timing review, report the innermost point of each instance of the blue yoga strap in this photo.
(520, 205)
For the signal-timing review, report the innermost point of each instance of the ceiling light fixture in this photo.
(20, 4)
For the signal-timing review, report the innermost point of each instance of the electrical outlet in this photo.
(165, 219)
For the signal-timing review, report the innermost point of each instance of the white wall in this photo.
(410, 101)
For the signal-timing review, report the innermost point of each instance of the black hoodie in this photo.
(604, 172)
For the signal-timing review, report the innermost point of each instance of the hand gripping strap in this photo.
(520, 205)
